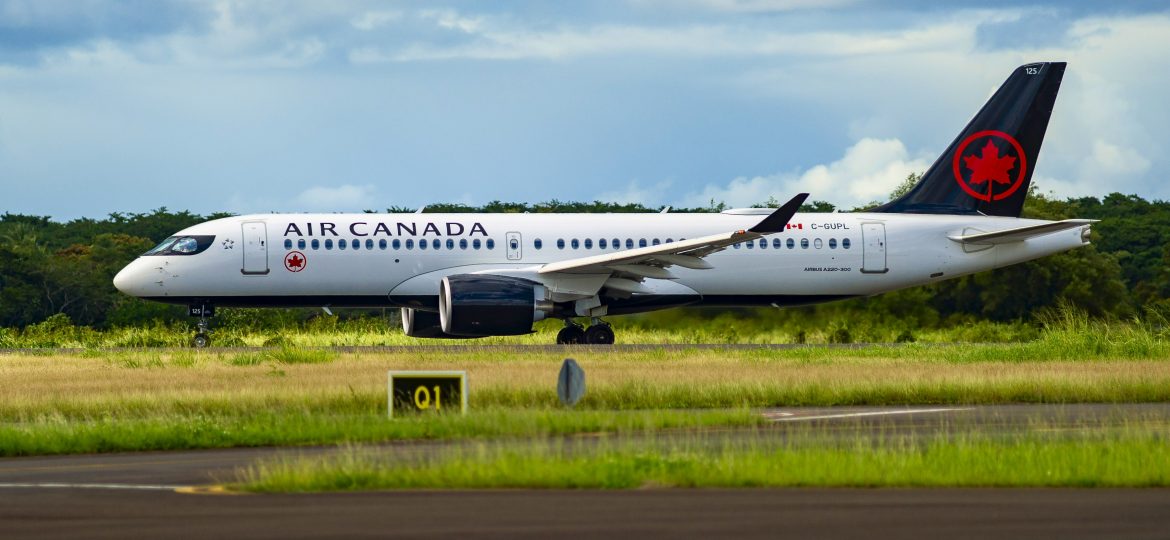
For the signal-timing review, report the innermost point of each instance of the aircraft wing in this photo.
(1021, 233)
(653, 261)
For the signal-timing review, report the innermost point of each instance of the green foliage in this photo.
(49, 268)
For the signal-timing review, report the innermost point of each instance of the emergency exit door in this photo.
(255, 248)
(873, 248)
(515, 246)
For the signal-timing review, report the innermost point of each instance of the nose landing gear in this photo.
(202, 337)
(598, 333)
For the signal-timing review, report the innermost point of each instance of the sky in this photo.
(347, 105)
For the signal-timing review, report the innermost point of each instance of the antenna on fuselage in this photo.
(420, 209)
(665, 210)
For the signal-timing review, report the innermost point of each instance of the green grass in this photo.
(48, 436)
(237, 329)
(1131, 457)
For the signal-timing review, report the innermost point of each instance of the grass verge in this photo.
(1131, 457)
(59, 436)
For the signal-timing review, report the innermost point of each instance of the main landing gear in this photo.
(598, 333)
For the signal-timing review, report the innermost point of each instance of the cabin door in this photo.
(873, 254)
(255, 248)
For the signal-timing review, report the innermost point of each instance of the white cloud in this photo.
(746, 6)
(346, 197)
(869, 171)
(375, 19)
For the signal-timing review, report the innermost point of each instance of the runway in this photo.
(150, 494)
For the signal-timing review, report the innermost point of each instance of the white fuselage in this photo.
(819, 257)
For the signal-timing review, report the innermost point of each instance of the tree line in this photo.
(51, 267)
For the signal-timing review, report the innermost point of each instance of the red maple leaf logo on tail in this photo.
(990, 166)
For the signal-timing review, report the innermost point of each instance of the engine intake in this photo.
(486, 305)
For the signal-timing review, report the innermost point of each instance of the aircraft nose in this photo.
(126, 280)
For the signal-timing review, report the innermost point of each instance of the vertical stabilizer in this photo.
(988, 168)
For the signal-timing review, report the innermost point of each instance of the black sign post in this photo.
(417, 392)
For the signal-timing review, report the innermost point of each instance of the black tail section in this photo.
(988, 168)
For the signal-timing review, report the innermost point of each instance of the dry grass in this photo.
(152, 383)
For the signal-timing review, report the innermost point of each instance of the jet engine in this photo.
(424, 324)
(487, 305)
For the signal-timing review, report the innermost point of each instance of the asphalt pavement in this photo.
(154, 494)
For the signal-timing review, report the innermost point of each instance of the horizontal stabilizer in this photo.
(1022, 233)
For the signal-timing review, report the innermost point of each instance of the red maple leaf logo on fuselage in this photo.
(295, 262)
(990, 166)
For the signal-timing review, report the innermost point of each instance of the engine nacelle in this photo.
(486, 305)
(424, 324)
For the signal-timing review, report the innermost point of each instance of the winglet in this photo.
(776, 222)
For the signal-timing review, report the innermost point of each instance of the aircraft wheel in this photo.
(599, 334)
(570, 335)
(200, 340)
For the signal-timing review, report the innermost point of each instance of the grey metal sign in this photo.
(571, 383)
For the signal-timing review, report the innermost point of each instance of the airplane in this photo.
(476, 275)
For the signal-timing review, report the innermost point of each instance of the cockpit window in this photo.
(162, 246)
(182, 245)
(185, 245)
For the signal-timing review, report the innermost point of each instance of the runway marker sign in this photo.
(418, 392)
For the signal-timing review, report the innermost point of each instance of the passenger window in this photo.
(341, 244)
(329, 244)
(382, 244)
(749, 244)
(370, 244)
(301, 243)
(791, 244)
(617, 243)
(537, 243)
(475, 243)
(575, 243)
(736, 245)
(763, 243)
(450, 243)
(560, 243)
(491, 244)
(832, 243)
(844, 243)
(655, 242)
(804, 243)
(818, 243)
(602, 243)
(588, 243)
(642, 242)
(669, 240)
(288, 243)
(629, 243)
(776, 243)
(422, 244)
(316, 243)
(409, 243)
(355, 243)
(462, 243)
(435, 243)
(396, 244)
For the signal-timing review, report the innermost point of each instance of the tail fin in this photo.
(988, 168)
